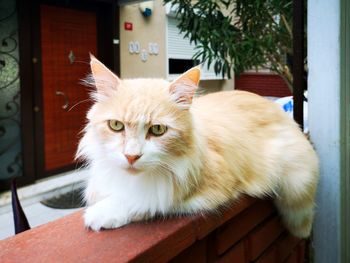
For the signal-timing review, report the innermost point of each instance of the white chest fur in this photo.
(148, 193)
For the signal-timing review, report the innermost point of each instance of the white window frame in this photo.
(206, 74)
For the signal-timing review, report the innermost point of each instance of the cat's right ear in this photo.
(184, 87)
(105, 81)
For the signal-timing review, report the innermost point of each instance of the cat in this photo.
(153, 147)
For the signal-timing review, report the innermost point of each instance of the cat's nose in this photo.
(132, 158)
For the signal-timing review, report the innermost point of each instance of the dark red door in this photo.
(67, 38)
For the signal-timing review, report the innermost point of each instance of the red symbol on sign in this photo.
(128, 26)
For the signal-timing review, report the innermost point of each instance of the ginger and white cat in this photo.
(154, 148)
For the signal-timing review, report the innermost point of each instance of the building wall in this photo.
(145, 30)
(324, 122)
(151, 30)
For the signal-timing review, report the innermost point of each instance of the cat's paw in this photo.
(97, 218)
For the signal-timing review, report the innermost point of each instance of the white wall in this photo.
(324, 122)
(145, 30)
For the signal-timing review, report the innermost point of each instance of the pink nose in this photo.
(132, 158)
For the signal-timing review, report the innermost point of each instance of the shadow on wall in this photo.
(209, 86)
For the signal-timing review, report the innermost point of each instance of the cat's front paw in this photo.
(96, 218)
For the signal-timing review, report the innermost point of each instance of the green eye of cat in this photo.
(158, 129)
(115, 125)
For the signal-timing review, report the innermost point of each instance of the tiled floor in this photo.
(37, 214)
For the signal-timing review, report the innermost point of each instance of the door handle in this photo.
(66, 101)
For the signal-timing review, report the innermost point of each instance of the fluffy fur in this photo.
(216, 148)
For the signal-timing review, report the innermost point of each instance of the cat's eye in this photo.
(158, 129)
(115, 125)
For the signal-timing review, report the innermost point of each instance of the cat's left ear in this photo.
(106, 81)
(184, 87)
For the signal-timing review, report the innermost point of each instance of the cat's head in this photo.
(138, 125)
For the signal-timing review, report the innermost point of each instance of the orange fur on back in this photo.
(253, 147)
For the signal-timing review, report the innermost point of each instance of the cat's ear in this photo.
(184, 87)
(105, 81)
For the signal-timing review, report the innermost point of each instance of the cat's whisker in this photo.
(82, 62)
(76, 104)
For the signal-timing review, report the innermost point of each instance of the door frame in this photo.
(107, 15)
(345, 130)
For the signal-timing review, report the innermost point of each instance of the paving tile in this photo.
(37, 209)
(7, 232)
(6, 220)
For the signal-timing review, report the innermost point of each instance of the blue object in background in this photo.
(147, 12)
(286, 104)
(288, 107)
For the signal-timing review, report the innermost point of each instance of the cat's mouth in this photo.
(133, 170)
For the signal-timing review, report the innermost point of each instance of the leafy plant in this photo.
(239, 35)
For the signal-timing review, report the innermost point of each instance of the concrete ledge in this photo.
(162, 240)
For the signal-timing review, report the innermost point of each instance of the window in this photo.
(180, 52)
(178, 66)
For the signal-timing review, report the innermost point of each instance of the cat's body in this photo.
(214, 149)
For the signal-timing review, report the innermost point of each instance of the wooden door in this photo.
(67, 38)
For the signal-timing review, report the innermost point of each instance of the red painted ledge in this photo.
(161, 240)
